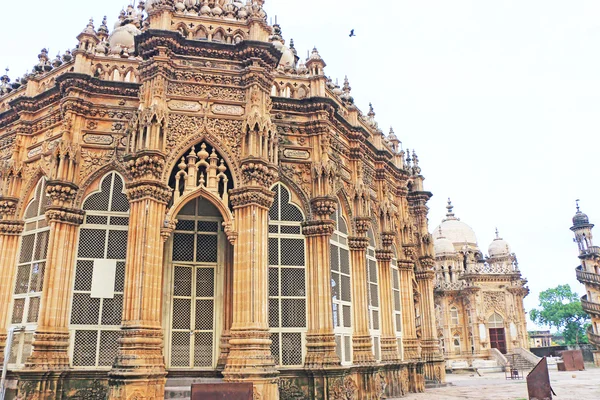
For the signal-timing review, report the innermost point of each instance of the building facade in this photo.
(588, 273)
(478, 299)
(540, 339)
(183, 196)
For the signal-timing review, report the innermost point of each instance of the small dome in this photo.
(580, 218)
(499, 247)
(122, 38)
(288, 59)
(443, 246)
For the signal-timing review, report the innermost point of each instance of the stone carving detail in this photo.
(300, 174)
(181, 126)
(93, 160)
(203, 91)
(494, 301)
(65, 215)
(225, 109)
(380, 385)
(96, 390)
(180, 105)
(98, 139)
(288, 390)
(344, 389)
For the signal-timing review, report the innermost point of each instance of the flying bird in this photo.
(352, 33)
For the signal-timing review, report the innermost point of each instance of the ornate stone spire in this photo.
(450, 213)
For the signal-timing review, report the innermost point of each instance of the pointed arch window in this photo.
(29, 279)
(287, 280)
(341, 290)
(97, 309)
(454, 320)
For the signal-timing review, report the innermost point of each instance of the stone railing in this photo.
(590, 307)
(443, 285)
(594, 338)
(587, 277)
(527, 355)
(502, 361)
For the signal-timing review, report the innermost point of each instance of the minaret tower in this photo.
(588, 273)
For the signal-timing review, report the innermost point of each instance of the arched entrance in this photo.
(497, 333)
(194, 285)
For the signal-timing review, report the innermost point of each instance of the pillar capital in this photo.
(66, 215)
(318, 228)
(8, 206)
(358, 243)
(148, 189)
(387, 239)
(11, 227)
(322, 207)
(362, 225)
(259, 172)
(61, 193)
(252, 195)
(145, 164)
(384, 255)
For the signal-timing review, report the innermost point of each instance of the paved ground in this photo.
(579, 385)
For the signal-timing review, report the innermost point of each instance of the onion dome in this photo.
(443, 246)
(455, 230)
(499, 247)
(580, 219)
(121, 41)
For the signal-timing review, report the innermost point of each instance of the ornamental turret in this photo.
(582, 228)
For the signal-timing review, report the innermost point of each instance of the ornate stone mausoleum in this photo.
(478, 299)
(183, 197)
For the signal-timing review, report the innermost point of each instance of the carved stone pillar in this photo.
(227, 307)
(10, 232)
(409, 330)
(430, 350)
(320, 340)
(51, 338)
(362, 343)
(250, 357)
(389, 343)
(139, 370)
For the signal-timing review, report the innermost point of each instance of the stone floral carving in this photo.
(203, 91)
(345, 389)
(288, 390)
(494, 301)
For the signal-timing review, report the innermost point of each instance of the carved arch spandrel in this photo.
(93, 180)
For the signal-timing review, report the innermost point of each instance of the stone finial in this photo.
(450, 208)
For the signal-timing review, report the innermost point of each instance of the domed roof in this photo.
(499, 247)
(456, 231)
(443, 246)
(580, 218)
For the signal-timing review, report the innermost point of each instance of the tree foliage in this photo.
(560, 308)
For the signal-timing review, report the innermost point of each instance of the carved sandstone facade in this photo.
(182, 197)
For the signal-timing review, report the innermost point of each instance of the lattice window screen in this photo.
(193, 341)
(95, 322)
(341, 289)
(287, 280)
(29, 279)
(373, 293)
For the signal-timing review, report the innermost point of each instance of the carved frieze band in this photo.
(148, 189)
(11, 227)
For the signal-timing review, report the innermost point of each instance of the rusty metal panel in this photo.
(538, 382)
(222, 391)
(573, 360)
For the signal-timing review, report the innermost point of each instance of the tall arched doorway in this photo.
(194, 280)
(497, 333)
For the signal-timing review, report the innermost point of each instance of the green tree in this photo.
(560, 308)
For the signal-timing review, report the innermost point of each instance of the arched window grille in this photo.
(97, 304)
(373, 289)
(29, 279)
(341, 289)
(397, 299)
(454, 316)
(496, 321)
(456, 344)
(287, 280)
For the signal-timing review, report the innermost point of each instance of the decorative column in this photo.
(320, 340)
(409, 329)
(10, 232)
(389, 343)
(362, 343)
(139, 370)
(249, 358)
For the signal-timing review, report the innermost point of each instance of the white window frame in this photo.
(374, 303)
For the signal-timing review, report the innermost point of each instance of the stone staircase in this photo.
(521, 363)
(180, 388)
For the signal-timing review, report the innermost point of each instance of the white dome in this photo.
(288, 59)
(456, 232)
(122, 38)
(499, 247)
(443, 246)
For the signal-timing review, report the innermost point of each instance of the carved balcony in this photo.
(590, 307)
(586, 277)
(593, 337)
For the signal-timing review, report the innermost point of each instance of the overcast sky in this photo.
(501, 100)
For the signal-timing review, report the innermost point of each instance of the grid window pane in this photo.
(117, 245)
(183, 247)
(292, 252)
(86, 310)
(83, 275)
(207, 248)
(182, 313)
(91, 243)
(205, 282)
(84, 352)
(182, 281)
(109, 346)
